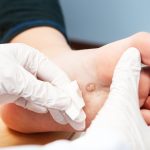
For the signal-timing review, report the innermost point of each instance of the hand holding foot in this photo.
(121, 112)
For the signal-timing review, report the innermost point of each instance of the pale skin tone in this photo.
(93, 70)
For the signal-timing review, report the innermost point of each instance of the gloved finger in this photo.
(38, 64)
(62, 118)
(129, 64)
(30, 105)
(79, 124)
(25, 85)
(74, 115)
(58, 116)
(8, 98)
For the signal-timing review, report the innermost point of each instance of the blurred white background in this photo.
(104, 21)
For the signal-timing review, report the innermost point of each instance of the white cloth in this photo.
(21, 67)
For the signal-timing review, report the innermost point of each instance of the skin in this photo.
(93, 70)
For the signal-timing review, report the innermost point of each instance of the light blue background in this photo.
(104, 21)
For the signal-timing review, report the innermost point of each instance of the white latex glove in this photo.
(119, 124)
(120, 117)
(20, 66)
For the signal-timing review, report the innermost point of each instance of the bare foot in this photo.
(93, 70)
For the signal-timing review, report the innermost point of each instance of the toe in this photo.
(130, 59)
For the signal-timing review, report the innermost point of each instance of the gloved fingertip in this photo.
(37, 108)
(79, 126)
(21, 102)
(58, 116)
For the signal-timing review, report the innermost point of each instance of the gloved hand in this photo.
(120, 123)
(21, 67)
